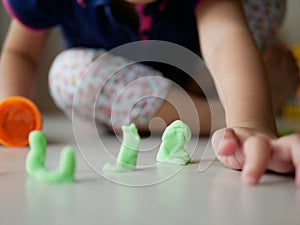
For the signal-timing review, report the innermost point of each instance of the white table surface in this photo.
(153, 194)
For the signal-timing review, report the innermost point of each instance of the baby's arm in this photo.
(249, 142)
(236, 64)
(20, 57)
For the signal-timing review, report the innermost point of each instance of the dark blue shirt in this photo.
(97, 24)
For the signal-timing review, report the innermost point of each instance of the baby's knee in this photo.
(264, 19)
(66, 71)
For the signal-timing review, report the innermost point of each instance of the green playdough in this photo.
(128, 154)
(174, 141)
(35, 161)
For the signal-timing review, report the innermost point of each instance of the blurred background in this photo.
(290, 33)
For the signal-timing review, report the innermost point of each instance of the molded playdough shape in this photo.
(128, 154)
(174, 141)
(35, 161)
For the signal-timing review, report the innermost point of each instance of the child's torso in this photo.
(117, 22)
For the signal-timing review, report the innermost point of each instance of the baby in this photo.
(232, 36)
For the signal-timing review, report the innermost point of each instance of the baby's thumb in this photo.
(224, 142)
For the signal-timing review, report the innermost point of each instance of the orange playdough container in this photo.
(18, 117)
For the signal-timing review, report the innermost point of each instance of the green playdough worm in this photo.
(35, 161)
(174, 141)
(128, 154)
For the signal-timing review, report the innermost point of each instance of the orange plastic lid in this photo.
(18, 117)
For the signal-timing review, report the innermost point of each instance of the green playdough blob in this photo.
(128, 154)
(174, 141)
(35, 161)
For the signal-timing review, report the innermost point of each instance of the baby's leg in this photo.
(264, 18)
(134, 94)
(283, 74)
(100, 87)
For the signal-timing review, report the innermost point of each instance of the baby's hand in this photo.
(253, 152)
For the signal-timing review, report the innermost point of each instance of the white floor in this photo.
(203, 192)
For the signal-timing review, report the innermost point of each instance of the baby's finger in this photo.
(257, 153)
(292, 145)
(295, 151)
